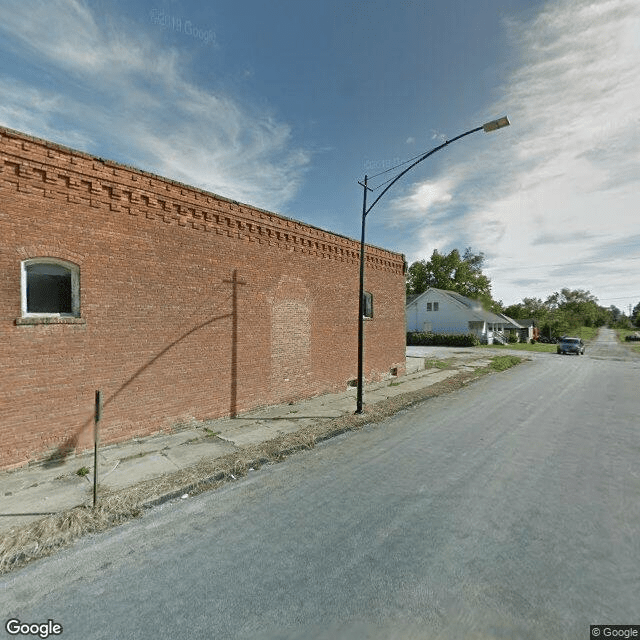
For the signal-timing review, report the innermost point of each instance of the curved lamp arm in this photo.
(487, 127)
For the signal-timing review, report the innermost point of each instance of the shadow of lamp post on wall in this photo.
(493, 125)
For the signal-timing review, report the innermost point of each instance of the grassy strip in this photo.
(586, 333)
(44, 537)
(522, 346)
(438, 364)
(621, 334)
(501, 363)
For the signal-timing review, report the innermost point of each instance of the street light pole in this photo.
(493, 125)
(361, 303)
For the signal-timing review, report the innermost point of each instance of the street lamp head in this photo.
(496, 124)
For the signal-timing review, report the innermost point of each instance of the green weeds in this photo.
(501, 363)
(436, 364)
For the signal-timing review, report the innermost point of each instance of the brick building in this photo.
(178, 304)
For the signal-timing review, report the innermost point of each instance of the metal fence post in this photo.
(96, 422)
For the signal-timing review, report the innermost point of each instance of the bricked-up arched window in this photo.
(50, 287)
(368, 305)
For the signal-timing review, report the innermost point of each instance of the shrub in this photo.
(513, 337)
(442, 340)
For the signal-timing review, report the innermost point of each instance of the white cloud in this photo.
(423, 198)
(123, 82)
(563, 180)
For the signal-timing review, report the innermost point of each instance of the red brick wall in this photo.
(161, 332)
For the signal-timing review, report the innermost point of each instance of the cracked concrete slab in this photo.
(136, 470)
(29, 492)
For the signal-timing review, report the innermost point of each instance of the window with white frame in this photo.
(367, 305)
(435, 306)
(428, 306)
(50, 287)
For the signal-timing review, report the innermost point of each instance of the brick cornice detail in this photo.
(37, 167)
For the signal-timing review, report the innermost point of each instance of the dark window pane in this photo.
(368, 305)
(48, 289)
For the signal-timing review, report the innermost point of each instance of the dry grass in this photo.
(45, 536)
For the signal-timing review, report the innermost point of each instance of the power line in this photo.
(393, 168)
(623, 298)
(562, 264)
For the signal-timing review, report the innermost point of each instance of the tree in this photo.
(623, 322)
(571, 309)
(582, 305)
(562, 312)
(452, 272)
(528, 308)
(615, 313)
(635, 315)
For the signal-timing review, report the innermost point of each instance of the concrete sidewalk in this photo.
(32, 492)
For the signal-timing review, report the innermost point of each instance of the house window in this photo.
(50, 287)
(435, 306)
(367, 305)
(428, 306)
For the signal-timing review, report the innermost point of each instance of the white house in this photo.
(511, 325)
(440, 311)
(529, 330)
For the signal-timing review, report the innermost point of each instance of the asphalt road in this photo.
(508, 509)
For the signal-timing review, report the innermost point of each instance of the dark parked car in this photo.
(570, 345)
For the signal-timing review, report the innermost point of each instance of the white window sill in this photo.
(30, 320)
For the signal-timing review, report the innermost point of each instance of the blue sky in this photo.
(286, 104)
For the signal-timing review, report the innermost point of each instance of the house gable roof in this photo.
(467, 302)
(514, 324)
(473, 307)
